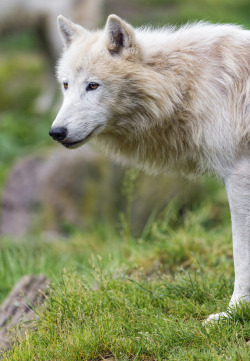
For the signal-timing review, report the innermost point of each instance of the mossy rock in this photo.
(62, 190)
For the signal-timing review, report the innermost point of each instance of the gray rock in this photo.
(64, 189)
(21, 195)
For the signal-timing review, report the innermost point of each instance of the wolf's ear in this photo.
(119, 34)
(69, 31)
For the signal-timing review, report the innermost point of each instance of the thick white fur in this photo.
(168, 100)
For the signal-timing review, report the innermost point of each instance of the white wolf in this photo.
(165, 99)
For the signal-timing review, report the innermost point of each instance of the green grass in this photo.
(139, 299)
(132, 321)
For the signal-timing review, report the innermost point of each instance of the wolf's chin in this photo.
(79, 143)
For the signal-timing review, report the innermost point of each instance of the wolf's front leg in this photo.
(238, 191)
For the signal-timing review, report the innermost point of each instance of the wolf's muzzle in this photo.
(58, 133)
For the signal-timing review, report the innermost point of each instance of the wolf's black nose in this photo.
(58, 133)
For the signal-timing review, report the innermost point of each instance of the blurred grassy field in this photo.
(113, 296)
(22, 131)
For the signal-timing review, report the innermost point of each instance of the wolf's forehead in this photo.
(82, 57)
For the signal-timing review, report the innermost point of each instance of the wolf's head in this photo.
(98, 73)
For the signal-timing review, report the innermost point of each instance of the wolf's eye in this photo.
(92, 86)
(65, 85)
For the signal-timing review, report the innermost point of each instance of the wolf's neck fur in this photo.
(184, 103)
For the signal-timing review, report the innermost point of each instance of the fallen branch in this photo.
(18, 308)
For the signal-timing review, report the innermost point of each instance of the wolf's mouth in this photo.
(73, 144)
(78, 143)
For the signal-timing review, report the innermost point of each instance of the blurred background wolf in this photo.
(39, 17)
